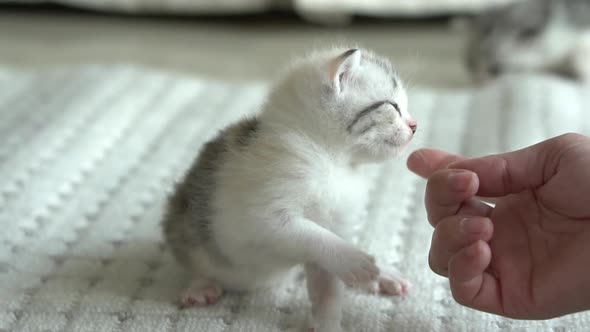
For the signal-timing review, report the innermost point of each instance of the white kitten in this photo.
(286, 188)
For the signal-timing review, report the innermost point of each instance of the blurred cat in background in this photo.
(532, 35)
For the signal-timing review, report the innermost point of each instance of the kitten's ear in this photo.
(342, 68)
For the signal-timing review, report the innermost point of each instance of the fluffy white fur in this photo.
(293, 195)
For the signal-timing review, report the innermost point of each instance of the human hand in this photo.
(529, 256)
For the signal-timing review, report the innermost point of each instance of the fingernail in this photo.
(460, 180)
(472, 251)
(471, 226)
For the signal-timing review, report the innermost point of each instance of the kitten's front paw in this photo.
(201, 292)
(352, 266)
(393, 285)
(390, 283)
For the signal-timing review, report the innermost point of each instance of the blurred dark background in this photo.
(251, 40)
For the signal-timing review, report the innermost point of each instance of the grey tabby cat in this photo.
(532, 35)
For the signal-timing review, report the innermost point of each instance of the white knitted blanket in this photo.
(87, 156)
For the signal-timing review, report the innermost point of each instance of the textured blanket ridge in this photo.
(87, 156)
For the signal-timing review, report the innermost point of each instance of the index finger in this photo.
(516, 171)
(424, 162)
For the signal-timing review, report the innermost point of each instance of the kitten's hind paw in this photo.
(201, 292)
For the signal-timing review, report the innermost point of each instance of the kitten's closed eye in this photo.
(396, 106)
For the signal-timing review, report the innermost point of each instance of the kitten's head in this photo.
(509, 38)
(352, 99)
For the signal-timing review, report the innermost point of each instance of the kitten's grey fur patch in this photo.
(186, 223)
(246, 131)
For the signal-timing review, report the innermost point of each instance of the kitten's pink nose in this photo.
(413, 124)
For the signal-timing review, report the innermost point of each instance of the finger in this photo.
(516, 171)
(453, 234)
(470, 284)
(424, 162)
(475, 207)
(446, 190)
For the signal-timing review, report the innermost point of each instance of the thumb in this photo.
(424, 162)
(514, 172)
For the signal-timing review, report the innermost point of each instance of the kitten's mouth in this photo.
(398, 140)
(392, 142)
